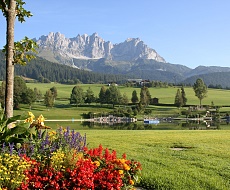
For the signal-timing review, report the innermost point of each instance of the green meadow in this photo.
(171, 159)
(166, 95)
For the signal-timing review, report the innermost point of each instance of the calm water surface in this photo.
(139, 125)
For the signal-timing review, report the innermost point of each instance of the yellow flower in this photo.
(41, 119)
(31, 117)
(57, 159)
(122, 160)
(97, 163)
(52, 135)
(121, 172)
(131, 182)
(31, 114)
(126, 167)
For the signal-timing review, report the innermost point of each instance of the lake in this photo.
(139, 125)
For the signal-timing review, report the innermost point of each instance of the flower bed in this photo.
(59, 159)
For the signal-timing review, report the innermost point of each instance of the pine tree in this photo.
(102, 95)
(125, 99)
(134, 98)
(183, 96)
(145, 96)
(178, 99)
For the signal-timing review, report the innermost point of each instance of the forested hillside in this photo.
(45, 71)
(220, 79)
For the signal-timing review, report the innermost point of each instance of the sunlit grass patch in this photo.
(203, 165)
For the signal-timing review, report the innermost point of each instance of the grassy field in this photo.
(165, 95)
(177, 160)
(171, 159)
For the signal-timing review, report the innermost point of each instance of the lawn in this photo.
(173, 159)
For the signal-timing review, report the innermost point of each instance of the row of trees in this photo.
(110, 95)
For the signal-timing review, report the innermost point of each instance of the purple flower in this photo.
(11, 146)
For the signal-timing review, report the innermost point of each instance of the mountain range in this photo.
(57, 48)
(91, 59)
(132, 58)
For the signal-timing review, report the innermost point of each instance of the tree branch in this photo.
(3, 7)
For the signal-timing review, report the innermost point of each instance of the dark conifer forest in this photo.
(42, 70)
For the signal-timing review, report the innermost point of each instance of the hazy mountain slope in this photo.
(206, 69)
(218, 78)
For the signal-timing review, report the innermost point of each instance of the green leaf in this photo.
(43, 134)
(32, 130)
(19, 130)
(13, 119)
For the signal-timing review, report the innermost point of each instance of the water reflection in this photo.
(162, 125)
(205, 125)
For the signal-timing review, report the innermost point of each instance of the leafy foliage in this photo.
(21, 13)
(12, 130)
(89, 96)
(49, 99)
(77, 96)
(20, 51)
(145, 96)
(200, 89)
(22, 94)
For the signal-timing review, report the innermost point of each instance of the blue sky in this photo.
(187, 32)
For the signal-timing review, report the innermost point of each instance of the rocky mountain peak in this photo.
(93, 47)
